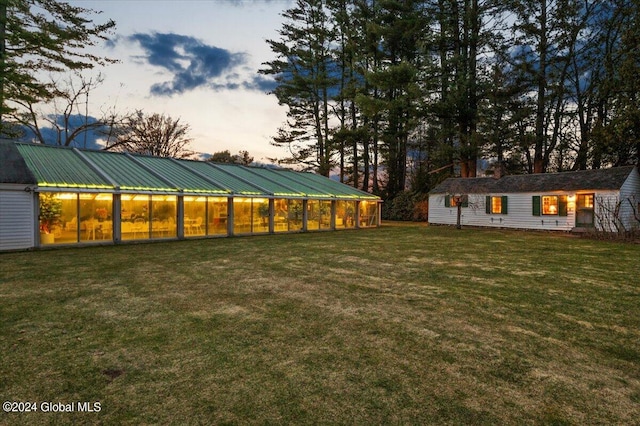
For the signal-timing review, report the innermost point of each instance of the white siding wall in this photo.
(606, 203)
(630, 196)
(519, 213)
(16, 219)
(520, 210)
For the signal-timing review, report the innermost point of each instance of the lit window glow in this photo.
(496, 205)
(550, 205)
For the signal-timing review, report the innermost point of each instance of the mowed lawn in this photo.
(405, 324)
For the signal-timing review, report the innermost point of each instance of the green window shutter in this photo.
(447, 200)
(504, 204)
(465, 201)
(488, 204)
(536, 201)
(562, 205)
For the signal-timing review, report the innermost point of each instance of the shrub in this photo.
(421, 208)
(406, 206)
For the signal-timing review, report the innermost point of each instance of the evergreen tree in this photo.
(43, 36)
(620, 136)
(395, 94)
(307, 81)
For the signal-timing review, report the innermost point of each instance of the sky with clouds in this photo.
(196, 60)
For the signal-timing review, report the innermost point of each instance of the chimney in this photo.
(499, 170)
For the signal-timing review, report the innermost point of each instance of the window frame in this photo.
(503, 204)
(450, 201)
(562, 203)
(549, 205)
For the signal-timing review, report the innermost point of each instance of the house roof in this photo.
(14, 169)
(582, 180)
(56, 167)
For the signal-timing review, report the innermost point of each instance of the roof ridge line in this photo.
(253, 172)
(279, 171)
(96, 168)
(153, 172)
(200, 175)
(215, 166)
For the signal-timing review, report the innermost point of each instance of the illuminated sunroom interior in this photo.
(105, 197)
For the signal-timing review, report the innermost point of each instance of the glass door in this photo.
(584, 210)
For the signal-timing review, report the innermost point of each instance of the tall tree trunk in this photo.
(356, 136)
(538, 157)
(374, 140)
(472, 60)
(3, 51)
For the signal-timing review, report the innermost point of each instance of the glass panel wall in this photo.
(195, 215)
(96, 221)
(135, 216)
(241, 215)
(325, 214)
(287, 215)
(345, 214)
(217, 213)
(58, 218)
(318, 215)
(368, 214)
(163, 215)
(313, 215)
(67, 217)
(260, 212)
(295, 215)
(280, 215)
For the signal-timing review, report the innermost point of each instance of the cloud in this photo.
(262, 84)
(194, 64)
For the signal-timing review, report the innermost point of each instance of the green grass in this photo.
(399, 325)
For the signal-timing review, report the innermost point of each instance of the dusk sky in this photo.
(196, 60)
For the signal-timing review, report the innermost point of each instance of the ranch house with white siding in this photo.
(606, 200)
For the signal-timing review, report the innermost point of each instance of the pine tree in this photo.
(43, 36)
(307, 81)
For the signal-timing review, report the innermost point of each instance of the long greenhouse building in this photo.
(51, 195)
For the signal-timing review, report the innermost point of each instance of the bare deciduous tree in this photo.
(155, 134)
(66, 117)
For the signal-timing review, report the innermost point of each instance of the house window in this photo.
(454, 200)
(496, 205)
(550, 205)
(585, 201)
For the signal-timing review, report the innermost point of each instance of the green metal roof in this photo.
(126, 173)
(270, 186)
(181, 176)
(293, 183)
(337, 189)
(70, 168)
(60, 167)
(226, 180)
